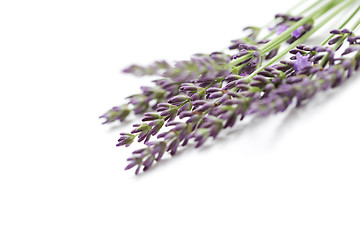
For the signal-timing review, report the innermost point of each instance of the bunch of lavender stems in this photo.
(195, 100)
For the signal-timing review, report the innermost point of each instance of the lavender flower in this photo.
(198, 98)
(301, 62)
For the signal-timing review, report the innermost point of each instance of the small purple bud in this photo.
(216, 95)
(335, 32)
(271, 54)
(350, 50)
(130, 165)
(173, 146)
(260, 79)
(150, 117)
(252, 47)
(232, 78)
(294, 79)
(186, 114)
(263, 41)
(295, 18)
(266, 74)
(289, 63)
(281, 15)
(345, 31)
(178, 99)
(334, 40)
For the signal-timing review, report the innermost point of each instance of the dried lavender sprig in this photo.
(229, 113)
(232, 102)
(276, 100)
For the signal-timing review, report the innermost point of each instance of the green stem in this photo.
(357, 23)
(301, 39)
(310, 7)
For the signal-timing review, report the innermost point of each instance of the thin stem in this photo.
(357, 23)
(343, 25)
(310, 7)
(301, 39)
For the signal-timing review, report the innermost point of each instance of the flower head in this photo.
(301, 62)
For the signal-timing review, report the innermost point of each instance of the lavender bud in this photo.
(179, 99)
(295, 18)
(289, 63)
(263, 41)
(294, 79)
(271, 54)
(260, 79)
(334, 40)
(216, 95)
(350, 50)
(266, 74)
(335, 32)
(281, 15)
(346, 31)
(150, 117)
(173, 146)
(186, 114)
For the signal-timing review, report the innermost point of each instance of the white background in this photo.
(291, 176)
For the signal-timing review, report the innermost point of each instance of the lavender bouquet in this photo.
(194, 100)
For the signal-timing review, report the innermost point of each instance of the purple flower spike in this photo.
(297, 33)
(301, 62)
